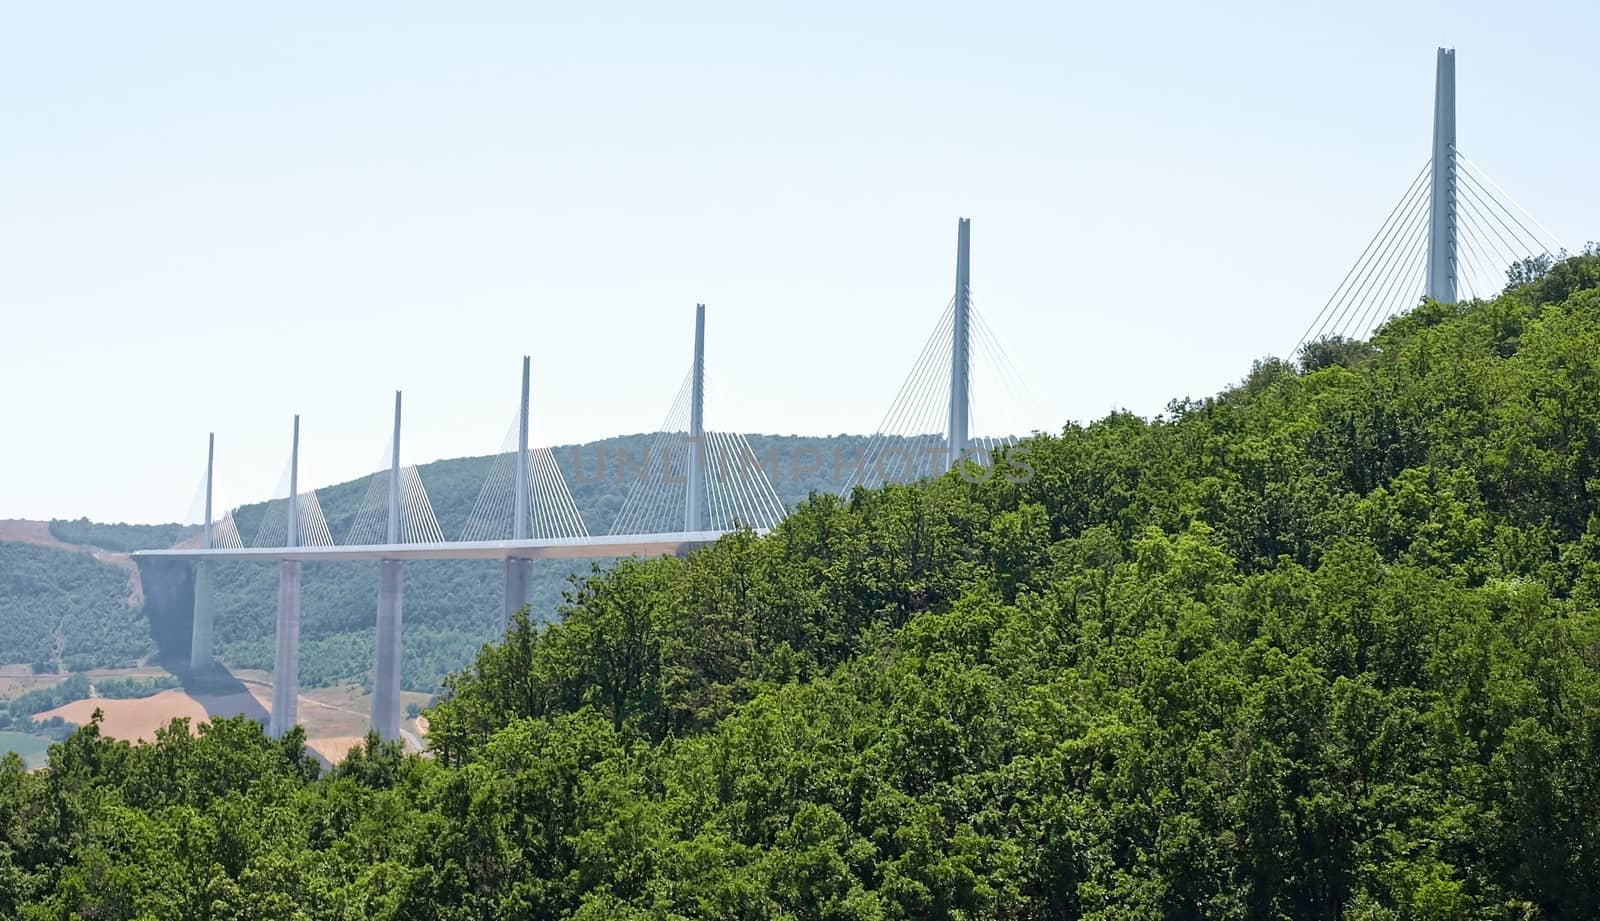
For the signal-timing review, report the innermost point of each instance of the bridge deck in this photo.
(618, 545)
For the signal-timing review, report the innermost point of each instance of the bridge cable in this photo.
(1378, 298)
(1509, 248)
(639, 504)
(662, 501)
(906, 412)
(910, 400)
(1391, 236)
(724, 484)
(493, 500)
(426, 526)
(1472, 248)
(1410, 272)
(1475, 172)
(901, 442)
(540, 507)
(1357, 294)
(1006, 373)
(764, 508)
(926, 447)
(1410, 189)
(560, 495)
(1495, 208)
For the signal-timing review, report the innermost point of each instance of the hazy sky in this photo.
(215, 215)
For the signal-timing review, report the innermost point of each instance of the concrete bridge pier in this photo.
(200, 641)
(519, 584)
(386, 658)
(386, 666)
(286, 664)
(200, 646)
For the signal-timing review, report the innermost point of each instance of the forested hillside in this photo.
(63, 609)
(1326, 645)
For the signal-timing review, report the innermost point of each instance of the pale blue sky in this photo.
(213, 216)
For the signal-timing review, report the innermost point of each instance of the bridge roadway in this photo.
(559, 548)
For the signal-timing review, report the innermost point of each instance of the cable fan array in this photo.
(1490, 242)
(912, 440)
(416, 524)
(738, 492)
(224, 535)
(551, 512)
(312, 526)
(224, 531)
(1493, 245)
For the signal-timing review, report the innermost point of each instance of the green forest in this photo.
(1326, 645)
(64, 610)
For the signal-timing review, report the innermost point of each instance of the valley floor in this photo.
(335, 719)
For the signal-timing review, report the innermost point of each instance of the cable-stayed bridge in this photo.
(1452, 227)
(693, 485)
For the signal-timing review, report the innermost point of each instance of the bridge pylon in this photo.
(519, 572)
(694, 501)
(1454, 235)
(386, 655)
(1442, 242)
(286, 661)
(960, 348)
(200, 637)
(933, 425)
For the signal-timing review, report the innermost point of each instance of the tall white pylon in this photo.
(960, 348)
(694, 491)
(200, 642)
(1442, 255)
(286, 663)
(519, 572)
(386, 653)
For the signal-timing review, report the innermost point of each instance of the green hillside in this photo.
(65, 609)
(1326, 645)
